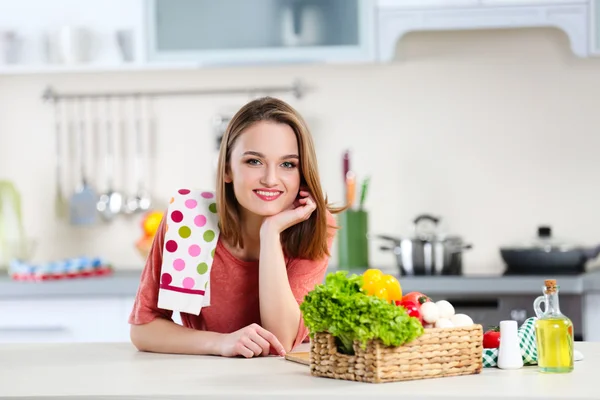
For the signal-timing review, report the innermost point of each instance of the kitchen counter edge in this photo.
(125, 283)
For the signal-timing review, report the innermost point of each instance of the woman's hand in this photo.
(299, 211)
(251, 341)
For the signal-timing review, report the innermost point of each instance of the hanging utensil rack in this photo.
(55, 97)
(297, 89)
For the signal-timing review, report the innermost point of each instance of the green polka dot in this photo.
(212, 253)
(206, 285)
(208, 236)
(202, 268)
(213, 208)
(185, 232)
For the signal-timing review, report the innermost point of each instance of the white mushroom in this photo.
(461, 320)
(443, 323)
(445, 308)
(430, 312)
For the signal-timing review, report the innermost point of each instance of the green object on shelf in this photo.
(353, 246)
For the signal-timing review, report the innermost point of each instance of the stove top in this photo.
(543, 271)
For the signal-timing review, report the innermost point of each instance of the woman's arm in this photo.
(279, 310)
(165, 336)
(153, 330)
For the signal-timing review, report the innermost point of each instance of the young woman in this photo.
(276, 231)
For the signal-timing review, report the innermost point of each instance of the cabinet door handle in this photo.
(38, 329)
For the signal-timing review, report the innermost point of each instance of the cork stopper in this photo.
(550, 285)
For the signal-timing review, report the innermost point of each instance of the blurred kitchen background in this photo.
(482, 113)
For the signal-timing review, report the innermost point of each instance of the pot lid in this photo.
(544, 241)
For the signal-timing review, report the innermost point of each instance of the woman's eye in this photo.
(253, 161)
(288, 164)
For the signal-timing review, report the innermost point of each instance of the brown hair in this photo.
(307, 239)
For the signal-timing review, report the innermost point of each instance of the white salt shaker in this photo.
(509, 354)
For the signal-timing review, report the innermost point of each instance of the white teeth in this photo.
(268, 194)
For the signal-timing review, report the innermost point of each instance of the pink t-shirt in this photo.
(233, 289)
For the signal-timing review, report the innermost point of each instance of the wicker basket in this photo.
(439, 352)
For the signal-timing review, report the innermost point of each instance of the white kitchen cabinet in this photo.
(184, 34)
(595, 28)
(206, 32)
(382, 4)
(395, 22)
(530, 2)
(68, 319)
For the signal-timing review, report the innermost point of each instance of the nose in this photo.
(269, 178)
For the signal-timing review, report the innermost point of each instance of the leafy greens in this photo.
(342, 308)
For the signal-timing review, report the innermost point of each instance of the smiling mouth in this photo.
(268, 195)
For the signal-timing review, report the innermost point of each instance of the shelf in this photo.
(15, 70)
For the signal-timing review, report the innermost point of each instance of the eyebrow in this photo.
(257, 154)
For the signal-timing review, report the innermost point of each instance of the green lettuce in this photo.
(342, 308)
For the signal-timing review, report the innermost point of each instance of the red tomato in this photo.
(416, 297)
(412, 309)
(491, 339)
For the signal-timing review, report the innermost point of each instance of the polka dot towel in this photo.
(189, 248)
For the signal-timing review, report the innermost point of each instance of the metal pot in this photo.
(427, 252)
(545, 255)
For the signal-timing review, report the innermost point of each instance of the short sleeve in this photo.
(145, 307)
(304, 275)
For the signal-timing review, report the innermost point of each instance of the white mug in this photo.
(74, 44)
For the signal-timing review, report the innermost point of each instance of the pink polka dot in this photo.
(191, 203)
(200, 220)
(194, 250)
(179, 264)
(207, 195)
(166, 279)
(183, 191)
(177, 216)
(188, 283)
(171, 246)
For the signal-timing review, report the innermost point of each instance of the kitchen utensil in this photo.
(363, 193)
(299, 357)
(60, 203)
(83, 201)
(345, 170)
(547, 255)
(110, 203)
(350, 188)
(140, 201)
(426, 252)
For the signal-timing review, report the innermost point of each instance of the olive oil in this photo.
(554, 333)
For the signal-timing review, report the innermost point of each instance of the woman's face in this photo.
(264, 167)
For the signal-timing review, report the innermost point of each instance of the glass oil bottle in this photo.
(554, 332)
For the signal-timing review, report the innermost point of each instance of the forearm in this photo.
(164, 336)
(279, 310)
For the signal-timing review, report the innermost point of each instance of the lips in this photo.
(268, 195)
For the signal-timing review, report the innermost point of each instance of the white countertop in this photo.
(119, 371)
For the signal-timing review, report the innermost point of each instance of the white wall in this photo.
(496, 132)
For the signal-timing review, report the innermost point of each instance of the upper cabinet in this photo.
(209, 32)
(595, 28)
(395, 18)
(87, 35)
